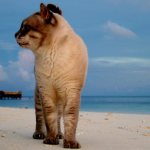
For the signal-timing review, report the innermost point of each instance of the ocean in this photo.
(115, 104)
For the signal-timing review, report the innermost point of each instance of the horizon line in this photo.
(103, 96)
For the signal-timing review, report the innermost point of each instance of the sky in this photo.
(116, 33)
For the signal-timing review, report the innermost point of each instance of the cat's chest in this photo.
(44, 66)
(49, 67)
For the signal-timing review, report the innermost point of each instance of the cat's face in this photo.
(30, 34)
(35, 29)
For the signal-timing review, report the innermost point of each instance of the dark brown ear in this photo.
(45, 13)
(54, 9)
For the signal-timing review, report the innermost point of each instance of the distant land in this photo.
(10, 94)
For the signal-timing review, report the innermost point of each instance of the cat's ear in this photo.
(46, 14)
(54, 9)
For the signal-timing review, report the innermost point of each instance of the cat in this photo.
(61, 62)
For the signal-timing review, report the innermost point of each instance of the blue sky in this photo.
(117, 35)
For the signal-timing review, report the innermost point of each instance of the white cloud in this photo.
(26, 60)
(19, 74)
(3, 74)
(24, 66)
(120, 61)
(25, 75)
(118, 30)
(4, 45)
(120, 75)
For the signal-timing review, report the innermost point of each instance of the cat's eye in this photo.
(26, 28)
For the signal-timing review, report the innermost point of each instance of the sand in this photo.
(96, 131)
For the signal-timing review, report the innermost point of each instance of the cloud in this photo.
(118, 30)
(23, 66)
(119, 75)
(120, 61)
(4, 45)
(19, 74)
(3, 74)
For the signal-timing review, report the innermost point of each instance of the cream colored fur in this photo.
(61, 62)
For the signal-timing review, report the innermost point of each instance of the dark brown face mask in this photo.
(24, 29)
(51, 7)
(34, 29)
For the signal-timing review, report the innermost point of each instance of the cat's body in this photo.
(60, 70)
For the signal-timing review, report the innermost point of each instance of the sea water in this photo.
(121, 104)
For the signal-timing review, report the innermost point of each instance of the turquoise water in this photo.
(136, 105)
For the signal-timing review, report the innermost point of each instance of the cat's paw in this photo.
(38, 135)
(71, 144)
(51, 141)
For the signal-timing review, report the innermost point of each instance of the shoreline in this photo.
(96, 130)
(95, 104)
(85, 111)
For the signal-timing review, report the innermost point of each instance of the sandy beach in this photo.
(96, 131)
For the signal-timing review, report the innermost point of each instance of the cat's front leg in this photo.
(40, 123)
(50, 116)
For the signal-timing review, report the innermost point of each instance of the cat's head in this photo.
(36, 28)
